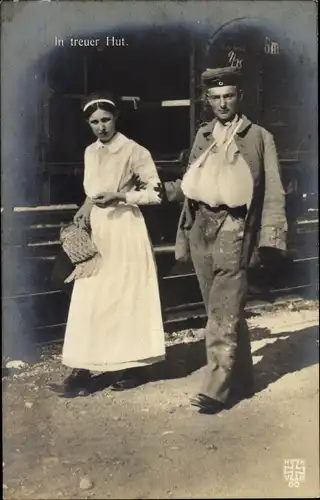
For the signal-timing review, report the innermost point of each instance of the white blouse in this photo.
(121, 165)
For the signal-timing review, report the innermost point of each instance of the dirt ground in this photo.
(149, 442)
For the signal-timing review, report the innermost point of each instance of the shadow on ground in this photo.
(286, 355)
(289, 353)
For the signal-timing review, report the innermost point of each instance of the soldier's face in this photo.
(224, 101)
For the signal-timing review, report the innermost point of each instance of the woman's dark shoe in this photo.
(77, 384)
(129, 379)
(207, 405)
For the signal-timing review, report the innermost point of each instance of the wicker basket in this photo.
(77, 244)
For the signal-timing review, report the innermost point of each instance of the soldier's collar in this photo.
(246, 123)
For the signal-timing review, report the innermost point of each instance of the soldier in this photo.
(233, 201)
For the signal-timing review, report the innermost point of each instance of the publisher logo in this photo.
(294, 471)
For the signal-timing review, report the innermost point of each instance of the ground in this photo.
(149, 442)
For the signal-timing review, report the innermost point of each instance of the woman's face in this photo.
(103, 124)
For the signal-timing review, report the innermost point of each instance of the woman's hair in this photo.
(99, 100)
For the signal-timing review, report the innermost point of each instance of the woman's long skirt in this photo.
(114, 320)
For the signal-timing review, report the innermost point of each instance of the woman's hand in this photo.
(82, 216)
(103, 200)
(79, 218)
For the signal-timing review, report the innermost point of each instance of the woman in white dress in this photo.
(114, 322)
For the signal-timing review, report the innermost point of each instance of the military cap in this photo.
(219, 77)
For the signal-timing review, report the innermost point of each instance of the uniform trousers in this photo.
(216, 246)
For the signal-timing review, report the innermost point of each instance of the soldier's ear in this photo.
(240, 95)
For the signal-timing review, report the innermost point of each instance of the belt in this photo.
(237, 212)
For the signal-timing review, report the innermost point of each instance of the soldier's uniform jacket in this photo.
(266, 224)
